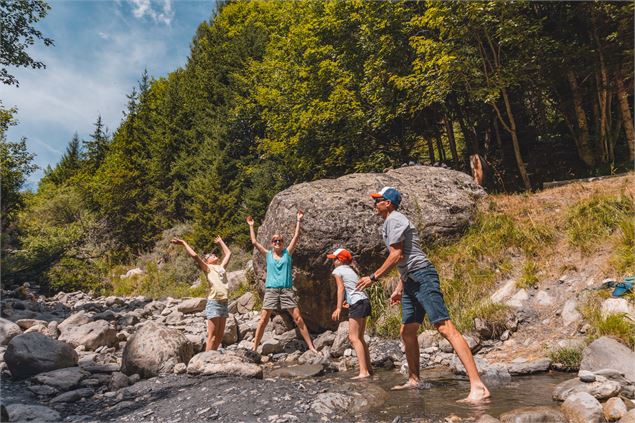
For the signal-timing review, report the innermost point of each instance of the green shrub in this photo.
(71, 274)
(567, 358)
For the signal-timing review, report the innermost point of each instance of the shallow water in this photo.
(438, 400)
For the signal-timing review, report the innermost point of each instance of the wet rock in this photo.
(533, 415)
(529, 367)
(486, 418)
(607, 353)
(628, 387)
(491, 372)
(300, 371)
(310, 357)
(347, 399)
(226, 364)
(34, 353)
(192, 305)
(444, 199)
(8, 330)
(154, 349)
(36, 413)
(614, 409)
(586, 376)
(62, 379)
(601, 389)
(581, 407)
(91, 335)
(72, 396)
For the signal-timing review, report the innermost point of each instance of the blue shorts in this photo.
(422, 295)
(216, 309)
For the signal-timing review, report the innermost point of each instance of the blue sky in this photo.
(101, 49)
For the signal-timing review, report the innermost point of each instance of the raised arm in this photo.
(340, 298)
(190, 251)
(227, 254)
(296, 234)
(252, 234)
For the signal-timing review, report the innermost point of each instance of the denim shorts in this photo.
(216, 309)
(422, 295)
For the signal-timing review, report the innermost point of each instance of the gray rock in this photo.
(270, 345)
(504, 292)
(518, 299)
(617, 306)
(8, 330)
(27, 323)
(429, 338)
(628, 417)
(43, 390)
(486, 418)
(581, 407)
(492, 372)
(118, 380)
(614, 409)
(534, 366)
(75, 319)
(569, 312)
(586, 376)
(223, 364)
(446, 347)
(34, 353)
(53, 329)
(180, 368)
(107, 315)
(325, 339)
(533, 415)
(341, 342)
(601, 389)
(155, 349)
(62, 379)
(72, 396)
(235, 279)
(300, 371)
(92, 335)
(347, 399)
(192, 305)
(441, 202)
(607, 353)
(231, 331)
(36, 413)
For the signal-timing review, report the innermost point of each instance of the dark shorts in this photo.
(360, 309)
(422, 295)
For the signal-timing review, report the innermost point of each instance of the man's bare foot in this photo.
(477, 394)
(361, 376)
(411, 384)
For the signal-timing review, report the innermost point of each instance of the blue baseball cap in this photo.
(389, 193)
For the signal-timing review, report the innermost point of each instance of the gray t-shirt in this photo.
(397, 228)
(350, 279)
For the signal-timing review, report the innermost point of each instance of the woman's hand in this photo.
(300, 215)
(218, 240)
(336, 315)
(250, 221)
(177, 241)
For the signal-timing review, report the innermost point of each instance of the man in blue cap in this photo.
(418, 291)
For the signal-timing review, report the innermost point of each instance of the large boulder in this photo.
(192, 305)
(541, 414)
(607, 353)
(32, 413)
(228, 363)
(440, 202)
(92, 335)
(582, 408)
(155, 349)
(33, 353)
(601, 388)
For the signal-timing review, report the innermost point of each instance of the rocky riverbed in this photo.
(74, 357)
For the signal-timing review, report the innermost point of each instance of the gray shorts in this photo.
(279, 299)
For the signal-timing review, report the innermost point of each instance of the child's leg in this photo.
(211, 327)
(356, 336)
(362, 332)
(219, 332)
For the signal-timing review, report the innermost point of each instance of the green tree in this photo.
(17, 20)
(69, 164)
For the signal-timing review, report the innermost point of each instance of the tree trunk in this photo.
(430, 149)
(514, 133)
(627, 117)
(449, 130)
(582, 138)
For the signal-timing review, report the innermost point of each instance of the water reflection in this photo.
(443, 389)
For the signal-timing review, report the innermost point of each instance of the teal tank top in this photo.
(279, 271)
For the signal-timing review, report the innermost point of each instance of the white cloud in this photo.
(142, 8)
(104, 35)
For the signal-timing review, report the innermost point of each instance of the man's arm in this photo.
(296, 234)
(190, 251)
(395, 254)
(252, 235)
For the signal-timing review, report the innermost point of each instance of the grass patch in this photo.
(384, 320)
(598, 217)
(623, 257)
(568, 358)
(529, 275)
(495, 316)
(616, 325)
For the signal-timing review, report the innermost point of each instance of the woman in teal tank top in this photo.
(278, 285)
